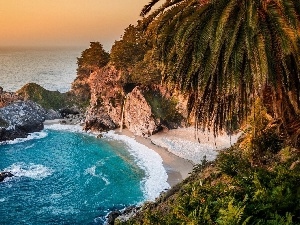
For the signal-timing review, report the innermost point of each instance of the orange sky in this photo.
(65, 22)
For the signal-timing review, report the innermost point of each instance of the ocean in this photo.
(52, 68)
(64, 175)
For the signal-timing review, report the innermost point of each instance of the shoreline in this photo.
(180, 149)
(177, 168)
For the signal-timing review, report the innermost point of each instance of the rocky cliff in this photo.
(138, 116)
(24, 112)
(145, 109)
(20, 118)
(7, 98)
(105, 109)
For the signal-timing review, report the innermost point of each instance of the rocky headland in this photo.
(100, 101)
(24, 111)
(144, 110)
(20, 118)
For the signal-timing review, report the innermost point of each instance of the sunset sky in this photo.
(65, 22)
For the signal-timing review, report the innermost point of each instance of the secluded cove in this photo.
(68, 177)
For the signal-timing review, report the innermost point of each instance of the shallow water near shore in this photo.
(64, 177)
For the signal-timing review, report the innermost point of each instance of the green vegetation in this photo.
(91, 58)
(47, 99)
(133, 55)
(237, 188)
(226, 53)
(130, 49)
(50, 99)
(163, 108)
(238, 60)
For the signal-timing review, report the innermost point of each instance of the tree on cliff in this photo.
(134, 56)
(130, 49)
(93, 57)
(228, 52)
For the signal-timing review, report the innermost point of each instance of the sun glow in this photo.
(65, 22)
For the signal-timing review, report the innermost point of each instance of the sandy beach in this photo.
(182, 148)
(177, 168)
(191, 145)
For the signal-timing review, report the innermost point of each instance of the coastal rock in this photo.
(52, 115)
(4, 175)
(7, 98)
(127, 213)
(104, 112)
(143, 113)
(112, 217)
(20, 118)
(138, 117)
(45, 98)
(98, 120)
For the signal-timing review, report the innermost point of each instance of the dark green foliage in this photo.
(93, 57)
(130, 49)
(51, 99)
(146, 72)
(232, 191)
(163, 108)
(231, 162)
(223, 53)
(267, 141)
(133, 55)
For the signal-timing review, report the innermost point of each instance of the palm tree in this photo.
(225, 53)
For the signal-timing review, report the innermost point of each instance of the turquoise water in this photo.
(65, 177)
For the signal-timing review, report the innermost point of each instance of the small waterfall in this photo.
(122, 113)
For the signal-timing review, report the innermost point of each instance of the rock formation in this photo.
(20, 118)
(138, 116)
(104, 112)
(7, 98)
(143, 116)
(4, 175)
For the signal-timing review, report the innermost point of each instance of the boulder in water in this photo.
(4, 175)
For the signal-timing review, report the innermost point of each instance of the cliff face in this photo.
(104, 111)
(138, 116)
(7, 98)
(20, 118)
(146, 109)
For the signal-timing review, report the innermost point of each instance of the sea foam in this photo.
(92, 171)
(150, 161)
(63, 127)
(31, 136)
(34, 171)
